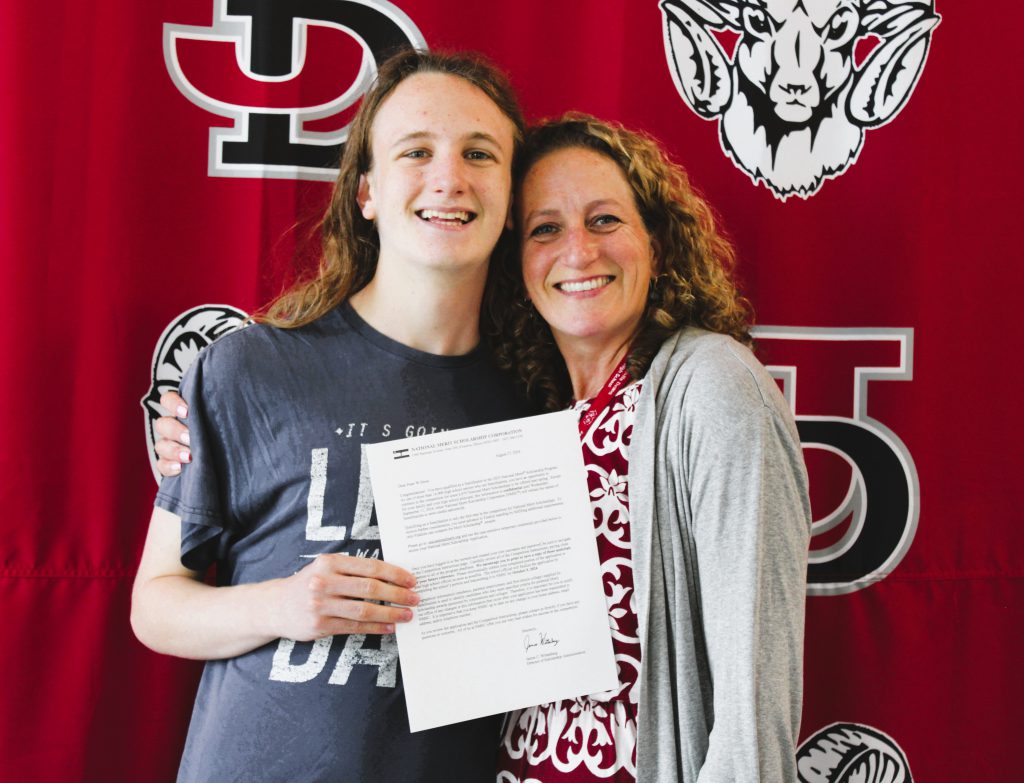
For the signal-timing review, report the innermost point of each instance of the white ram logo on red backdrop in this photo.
(792, 99)
(851, 753)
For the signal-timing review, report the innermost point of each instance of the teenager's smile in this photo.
(446, 217)
(439, 186)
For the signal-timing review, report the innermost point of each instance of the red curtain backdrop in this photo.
(115, 222)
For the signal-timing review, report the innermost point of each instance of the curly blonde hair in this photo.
(350, 245)
(695, 284)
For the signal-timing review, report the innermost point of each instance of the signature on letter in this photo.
(539, 639)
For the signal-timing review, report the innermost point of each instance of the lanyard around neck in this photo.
(612, 386)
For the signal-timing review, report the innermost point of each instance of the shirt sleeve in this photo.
(198, 495)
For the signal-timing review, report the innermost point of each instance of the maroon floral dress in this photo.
(592, 737)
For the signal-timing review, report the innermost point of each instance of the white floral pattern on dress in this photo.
(592, 737)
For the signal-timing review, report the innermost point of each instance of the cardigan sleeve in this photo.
(750, 522)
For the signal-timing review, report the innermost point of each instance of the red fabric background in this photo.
(112, 228)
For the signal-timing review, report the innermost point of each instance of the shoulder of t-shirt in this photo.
(255, 347)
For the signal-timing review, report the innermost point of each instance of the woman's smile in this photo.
(590, 285)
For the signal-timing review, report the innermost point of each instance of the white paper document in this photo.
(495, 523)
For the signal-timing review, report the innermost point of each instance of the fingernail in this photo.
(185, 439)
(182, 411)
(408, 614)
(184, 456)
(389, 628)
(414, 601)
(175, 468)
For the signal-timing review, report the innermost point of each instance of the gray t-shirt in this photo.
(277, 418)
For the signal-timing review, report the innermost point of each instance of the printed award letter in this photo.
(495, 523)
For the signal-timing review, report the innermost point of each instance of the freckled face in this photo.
(440, 184)
(587, 257)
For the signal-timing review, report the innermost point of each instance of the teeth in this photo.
(584, 285)
(436, 214)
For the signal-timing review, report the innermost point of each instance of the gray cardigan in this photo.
(720, 522)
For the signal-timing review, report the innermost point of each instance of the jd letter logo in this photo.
(270, 136)
(864, 485)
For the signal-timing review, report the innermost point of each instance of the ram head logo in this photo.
(851, 753)
(793, 101)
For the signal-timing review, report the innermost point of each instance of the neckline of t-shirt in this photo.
(385, 343)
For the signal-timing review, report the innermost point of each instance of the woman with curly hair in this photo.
(622, 304)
